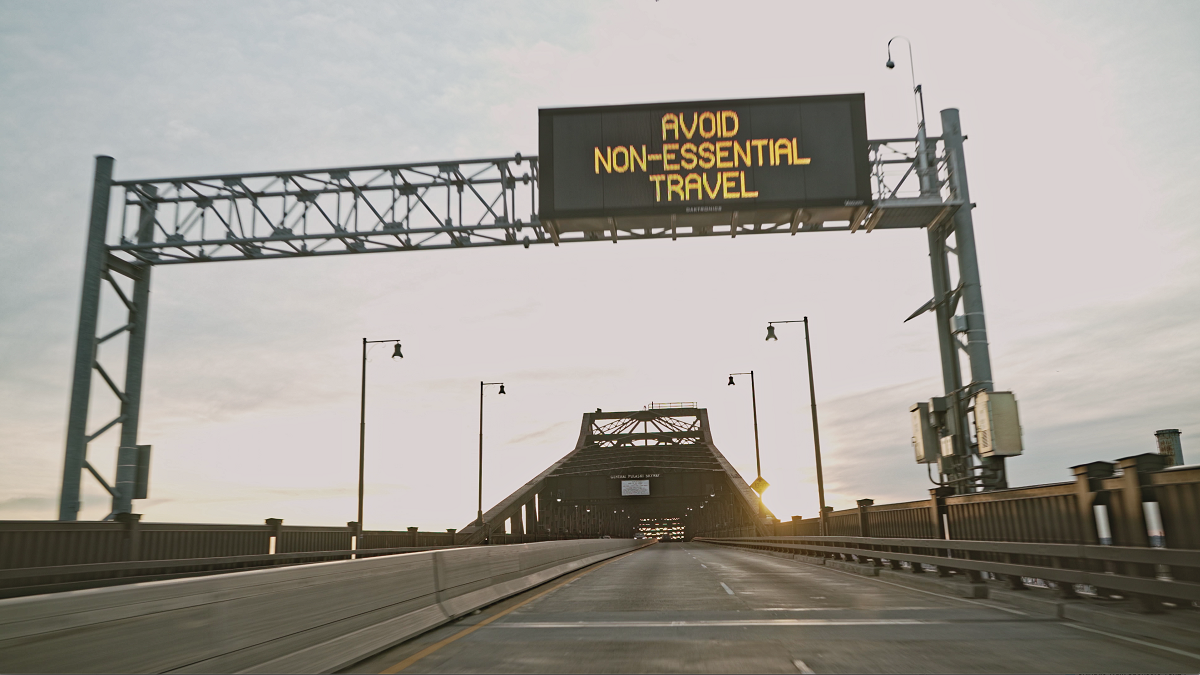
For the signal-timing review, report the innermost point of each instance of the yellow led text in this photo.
(685, 149)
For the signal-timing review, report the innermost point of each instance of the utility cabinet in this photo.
(924, 436)
(997, 426)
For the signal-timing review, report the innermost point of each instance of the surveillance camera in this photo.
(891, 64)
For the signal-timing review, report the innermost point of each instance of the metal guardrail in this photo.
(1137, 571)
(1135, 502)
(25, 581)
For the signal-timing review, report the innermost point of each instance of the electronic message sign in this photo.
(704, 157)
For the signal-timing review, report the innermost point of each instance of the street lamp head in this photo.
(731, 382)
(890, 64)
(396, 352)
(502, 389)
(771, 332)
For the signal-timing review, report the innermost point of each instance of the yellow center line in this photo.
(467, 631)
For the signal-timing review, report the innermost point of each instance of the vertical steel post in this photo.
(812, 396)
(994, 476)
(479, 512)
(958, 472)
(127, 454)
(362, 441)
(754, 408)
(85, 341)
(968, 263)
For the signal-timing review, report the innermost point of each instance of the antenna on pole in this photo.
(928, 184)
(918, 98)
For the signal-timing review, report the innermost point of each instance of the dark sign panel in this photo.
(708, 156)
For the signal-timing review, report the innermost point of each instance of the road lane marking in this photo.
(727, 589)
(1135, 640)
(467, 631)
(802, 667)
(845, 609)
(723, 623)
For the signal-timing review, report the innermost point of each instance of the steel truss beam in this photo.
(406, 207)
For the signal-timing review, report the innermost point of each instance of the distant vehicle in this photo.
(639, 535)
(606, 537)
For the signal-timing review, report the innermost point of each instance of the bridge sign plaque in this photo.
(635, 488)
(704, 157)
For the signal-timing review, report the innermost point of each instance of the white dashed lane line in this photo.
(727, 589)
(722, 623)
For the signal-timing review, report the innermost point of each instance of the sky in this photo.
(1082, 154)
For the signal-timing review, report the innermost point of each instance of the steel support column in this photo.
(968, 263)
(127, 454)
(956, 469)
(531, 518)
(85, 341)
(968, 273)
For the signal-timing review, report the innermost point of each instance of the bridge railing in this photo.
(1136, 501)
(25, 581)
(1145, 573)
(60, 555)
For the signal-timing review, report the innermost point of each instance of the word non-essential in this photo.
(689, 148)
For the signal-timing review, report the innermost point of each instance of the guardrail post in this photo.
(1130, 530)
(864, 518)
(275, 543)
(1092, 501)
(938, 511)
(131, 542)
(864, 528)
(1089, 493)
(916, 568)
(354, 538)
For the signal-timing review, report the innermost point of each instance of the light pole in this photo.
(362, 430)
(479, 514)
(812, 396)
(754, 407)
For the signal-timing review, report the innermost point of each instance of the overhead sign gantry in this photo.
(656, 171)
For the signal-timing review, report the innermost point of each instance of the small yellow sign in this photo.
(759, 485)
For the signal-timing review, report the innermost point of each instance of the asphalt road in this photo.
(678, 607)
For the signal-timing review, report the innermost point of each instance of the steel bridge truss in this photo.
(916, 183)
(577, 495)
(655, 431)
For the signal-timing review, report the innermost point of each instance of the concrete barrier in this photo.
(306, 619)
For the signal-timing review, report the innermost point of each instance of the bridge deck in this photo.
(678, 607)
